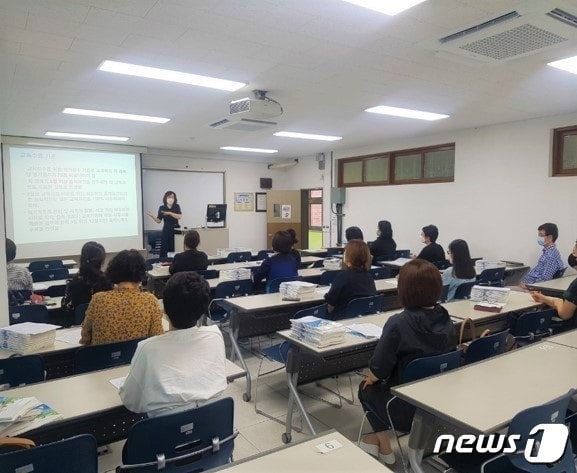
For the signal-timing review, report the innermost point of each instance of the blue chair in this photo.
(198, 439)
(109, 355)
(48, 264)
(154, 241)
(239, 257)
(209, 273)
(335, 252)
(491, 277)
(18, 296)
(328, 277)
(79, 314)
(274, 284)
(225, 290)
(380, 273)
(20, 370)
(364, 306)
(57, 274)
(28, 313)
(384, 258)
(263, 254)
(402, 254)
(463, 290)
(532, 326)
(486, 347)
(56, 291)
(559, 274)
(72, 455)
(443, 264)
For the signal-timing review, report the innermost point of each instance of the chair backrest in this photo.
(380, 273)
(334, 252)
(531, 326)
(382, 258)
(154, 241)
(445, 294)
(492, 277)
(327, 277)
(443, 264)
(109, 355)
(71, 455)
(227, 289)
(431, 365)
(18, 296)
(273, 285)
(364, 306)
(239, 257)
(402, 254)
(20, 370)
(56, 291)
(263, 254)
(50, 275)
(319, 311)
(486, 347)
(209, 273)
(198, 439)
(80, 313)
(48, 264)
(463, 290)
(559, 274)
(28, 313)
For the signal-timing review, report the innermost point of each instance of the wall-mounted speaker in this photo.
(266, 183)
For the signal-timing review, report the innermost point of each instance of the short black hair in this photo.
(386, 229)
(293, 234)
(354, 233)
(549, 229)
(166, 194)
(10, 250)
(126, 266)
(192, 239)
(432, 232)
(282, 242)
(186, 297)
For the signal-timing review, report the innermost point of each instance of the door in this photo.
(312, 218)
(283, 211)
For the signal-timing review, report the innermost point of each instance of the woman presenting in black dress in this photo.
(170, 212)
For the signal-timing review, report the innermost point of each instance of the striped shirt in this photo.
(549, 263)
(19, 278)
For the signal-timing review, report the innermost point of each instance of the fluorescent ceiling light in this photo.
(569, 64)
(84, 136)
(307, 136)
(249, 150)
(388, 7)
(171, 76)
(119, 116)
(406, 113)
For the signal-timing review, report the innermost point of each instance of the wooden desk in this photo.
(499, 387)
(568, 339)
(304, 457)
(554, 287)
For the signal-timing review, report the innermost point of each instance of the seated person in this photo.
(19, 278)
(572, 259)
(294, 252)
(190, 259)
(125, 312)
(423, 328)
(185, 367)
(354, 233)
(353, 282)
(463, 269)
(384, 245)
(550, 260)
(90, 278)
(280, 265)
(432, 251)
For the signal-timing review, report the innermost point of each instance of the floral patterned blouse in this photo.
(121, 314)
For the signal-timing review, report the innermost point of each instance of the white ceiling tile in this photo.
(35, 37)
(65, 10)
(15, 18)
(130, 7)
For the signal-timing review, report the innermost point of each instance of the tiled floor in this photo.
(259, 433)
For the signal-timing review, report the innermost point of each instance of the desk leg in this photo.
(421, 431)
(233, 332)
(292, 381)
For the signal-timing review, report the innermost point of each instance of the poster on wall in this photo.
(260, 202)
(286, 211)
(243, 202)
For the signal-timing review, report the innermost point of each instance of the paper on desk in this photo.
(118, 382)
(400, 261)
(38, 286)
(71, 335)
(366, 330)
(30, 328)
(322, 290)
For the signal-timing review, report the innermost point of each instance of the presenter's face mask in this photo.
(170, 201)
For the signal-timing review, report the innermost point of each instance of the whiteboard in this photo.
(194, 191)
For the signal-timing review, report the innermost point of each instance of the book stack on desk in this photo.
(27, 337)
(490, 295)
(19, 415)
(297, 290)
(333, 264)
(482, 265)
(318, 332)
(235, 274)
(224, 252)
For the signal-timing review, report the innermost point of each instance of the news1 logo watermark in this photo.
(548, 449)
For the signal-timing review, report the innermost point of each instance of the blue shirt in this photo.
(453, 283)
(277, 266)
(549, 263)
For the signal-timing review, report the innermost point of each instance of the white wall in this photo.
(3, 276)
(246, 229)
(501, 194)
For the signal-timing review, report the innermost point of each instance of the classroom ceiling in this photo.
(325, 61)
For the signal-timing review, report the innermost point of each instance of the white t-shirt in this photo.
(179, 370)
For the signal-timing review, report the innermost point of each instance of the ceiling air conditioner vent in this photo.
(482, 26)
(563, 16)
(242, 124)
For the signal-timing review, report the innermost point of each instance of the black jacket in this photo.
(383, 247)
(349, 284)
(189, 260)
(432, 252)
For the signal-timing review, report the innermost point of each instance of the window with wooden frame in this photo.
(565, 151)
(421, 165)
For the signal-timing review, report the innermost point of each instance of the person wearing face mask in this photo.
(432, 252)
(384, 245)
(170, 213)
(550, 260)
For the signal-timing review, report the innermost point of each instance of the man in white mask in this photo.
(550, 261)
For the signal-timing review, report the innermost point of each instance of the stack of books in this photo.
(235, 274)
(297, 290)
(19, 415)
(333, 264)
(224, 252)
(27, 337)
(482, 265)
(490, 299)
(318, 332)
